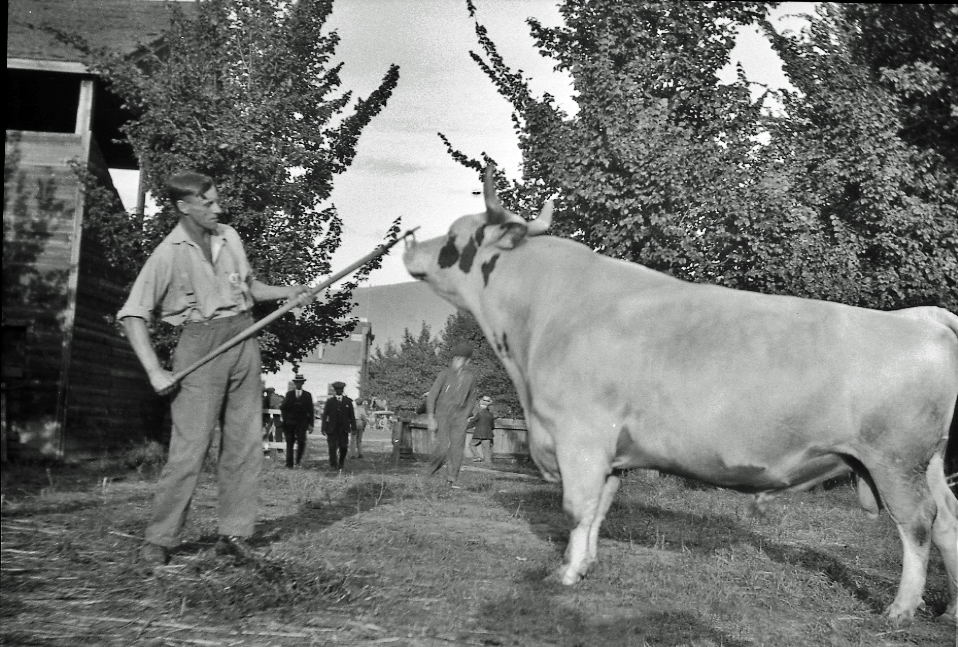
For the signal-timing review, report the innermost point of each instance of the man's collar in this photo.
(180, 235)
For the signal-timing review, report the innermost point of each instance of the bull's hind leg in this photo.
(911, 506)
(944, 532)
(588, 487)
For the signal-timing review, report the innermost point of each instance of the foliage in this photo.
(884, 201)
(402, 375)
(245, 91)
(911, 50)
(838, 198)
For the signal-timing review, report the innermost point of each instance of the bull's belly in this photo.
(791, 472)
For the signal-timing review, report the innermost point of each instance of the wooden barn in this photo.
(72, 386)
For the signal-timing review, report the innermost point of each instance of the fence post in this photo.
(397, 433)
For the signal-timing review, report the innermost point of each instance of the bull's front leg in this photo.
(587, 494)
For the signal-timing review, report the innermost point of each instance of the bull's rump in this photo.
(747, 391)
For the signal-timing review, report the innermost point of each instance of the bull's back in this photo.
(730, 385)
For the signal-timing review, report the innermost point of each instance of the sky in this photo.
(401, 166)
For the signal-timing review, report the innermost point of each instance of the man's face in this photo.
(458, 362)
(203, 210)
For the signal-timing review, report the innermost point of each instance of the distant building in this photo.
(345, 361)
(72, 386)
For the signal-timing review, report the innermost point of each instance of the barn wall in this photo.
(84, 392)
(110, 404)
(40, 202)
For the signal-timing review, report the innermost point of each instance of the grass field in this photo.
(383, 556)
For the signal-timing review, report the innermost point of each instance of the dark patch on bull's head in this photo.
(487, 268)
(468, 256)
(920, 533)
(449, 254)
(480, 235)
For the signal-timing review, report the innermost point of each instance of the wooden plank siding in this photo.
(111, 404)
(84, 392)
(38, 228)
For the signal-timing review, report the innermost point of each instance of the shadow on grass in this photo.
(319, 510)
(677, 531)
(535, 611)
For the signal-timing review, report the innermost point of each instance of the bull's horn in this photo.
(495, 213)
(542, 223)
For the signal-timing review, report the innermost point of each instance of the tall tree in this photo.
(401, 375)
(912, 50)
(662, 164)
(653, 167)
(245, 91)
(883, 194)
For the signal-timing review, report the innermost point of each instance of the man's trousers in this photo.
(338, 443)
(225, 390)
(295, 436)
(450, 443)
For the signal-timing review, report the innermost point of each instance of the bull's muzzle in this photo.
(411, 259)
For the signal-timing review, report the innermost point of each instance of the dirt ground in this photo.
(383, 556)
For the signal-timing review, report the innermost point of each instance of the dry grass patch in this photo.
(383, 555)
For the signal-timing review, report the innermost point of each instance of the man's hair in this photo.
(187, 183)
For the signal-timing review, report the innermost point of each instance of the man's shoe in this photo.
(233, 545)
(153, 554)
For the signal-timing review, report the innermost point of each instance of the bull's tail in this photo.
(951, 452)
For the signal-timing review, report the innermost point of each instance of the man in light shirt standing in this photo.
(200, 279)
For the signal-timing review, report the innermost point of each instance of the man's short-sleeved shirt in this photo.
(179, 284)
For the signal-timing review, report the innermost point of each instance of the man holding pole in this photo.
(199, 278)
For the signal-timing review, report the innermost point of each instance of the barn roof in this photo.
(121, 25)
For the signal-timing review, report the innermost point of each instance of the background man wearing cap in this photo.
(448, 405)
(339, 420)
(482, 437)
(297, 409)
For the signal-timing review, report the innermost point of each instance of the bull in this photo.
(619, 367)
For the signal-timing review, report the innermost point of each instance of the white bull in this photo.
(618, 366)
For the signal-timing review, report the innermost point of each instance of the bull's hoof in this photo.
(566, 575)
(900, 615)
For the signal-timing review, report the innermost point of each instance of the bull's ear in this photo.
(511, 234)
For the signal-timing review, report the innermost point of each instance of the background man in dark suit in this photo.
(339, 419)
(297, 409)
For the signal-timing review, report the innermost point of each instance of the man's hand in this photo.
(431, 423)
(296, 290)
(162, 381)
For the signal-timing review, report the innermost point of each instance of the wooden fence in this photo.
(412, 438)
